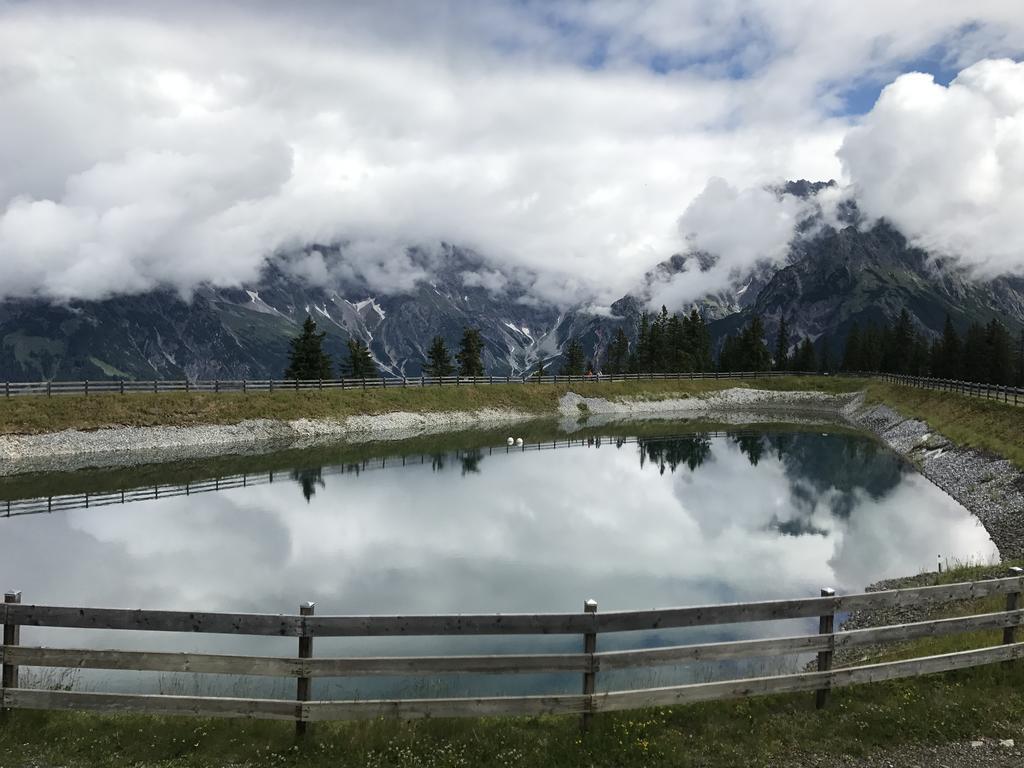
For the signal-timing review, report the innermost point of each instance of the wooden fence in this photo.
(999, 392)
(589, 625)
(124, 387)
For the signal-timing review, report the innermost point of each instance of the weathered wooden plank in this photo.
(198, 706)
(725, 689)
(437, 665)
(153, 661)
(412, 709)
(704, 615)
(771, 610)
(161, 621)
(807, 681)
(650, 657)
(458, 624)
(271, 666)
(470, 624)
(934, 628)
(928, 665)
(917, 596)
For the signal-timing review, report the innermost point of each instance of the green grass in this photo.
(973, 422)
(758, 731)
(34, 415)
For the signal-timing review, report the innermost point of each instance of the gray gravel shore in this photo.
(127, 446)
(989, 486)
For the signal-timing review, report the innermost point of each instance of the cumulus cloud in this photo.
(740, 228)
(149, 145)
(491, 279)
(945, 164)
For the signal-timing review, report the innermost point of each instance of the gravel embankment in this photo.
(128, 446)
(724, 401)
(989, 486)
(125, 446)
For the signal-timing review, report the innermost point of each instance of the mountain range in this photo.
(833, 276)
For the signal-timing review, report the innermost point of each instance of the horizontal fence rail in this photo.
(590, 663)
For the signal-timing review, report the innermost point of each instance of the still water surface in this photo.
(669, 520)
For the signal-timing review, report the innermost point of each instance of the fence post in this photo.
(1012, 604)
(590, 676)
(11, 636)
(304, 685)
(826, 626)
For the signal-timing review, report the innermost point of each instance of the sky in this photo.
(571, 144)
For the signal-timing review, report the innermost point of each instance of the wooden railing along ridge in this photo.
(1001, 392)
(217, 386)
(590, 663)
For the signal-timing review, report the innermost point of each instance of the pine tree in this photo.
(1019, 381)
(575, 362)
(949, 364)
(307, 359)
(540, 369)
(618, 354)
(439, 361)
(644, 354)
(360, 363)
(805, 360)
(901, 346)
(470, 350)
(699, 341)
(754, 352)
(729, 356)
(975, 359)
(1000, 354)
(853, 355)
(782, 345)
(824, 354)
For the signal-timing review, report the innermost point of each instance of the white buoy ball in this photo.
(511, 441)
(519, 441)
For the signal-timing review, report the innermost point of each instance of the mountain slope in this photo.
(846, 276)
(832, 277)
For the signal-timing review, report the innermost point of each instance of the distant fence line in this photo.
(157, 386)
(217, 386)
(71, 501)
(589, 625)
(999, 392)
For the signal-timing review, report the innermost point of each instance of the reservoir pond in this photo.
(648, 516)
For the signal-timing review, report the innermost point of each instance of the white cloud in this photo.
(146, 145)
(739, 227)
(493, 280)
(946, 164)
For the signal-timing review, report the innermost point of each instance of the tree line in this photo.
(987, 353)
(308, 360)
(667, 343)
